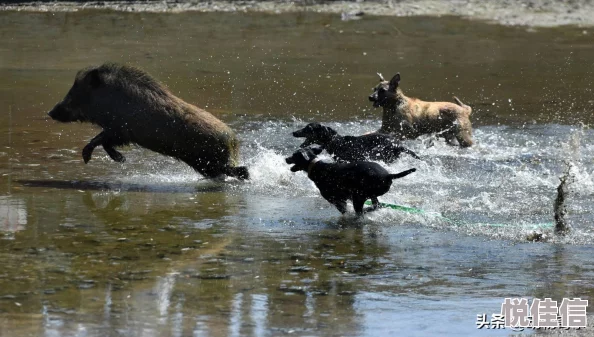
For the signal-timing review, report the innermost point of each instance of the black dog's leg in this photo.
(358, 203)
(374, 205)
(341, 206)
(108, 144)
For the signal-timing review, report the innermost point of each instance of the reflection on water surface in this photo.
(150, 248)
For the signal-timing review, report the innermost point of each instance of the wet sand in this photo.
(533, 13)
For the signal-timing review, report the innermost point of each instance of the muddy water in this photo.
(150, 248)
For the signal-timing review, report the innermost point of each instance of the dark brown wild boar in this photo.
(132, 107)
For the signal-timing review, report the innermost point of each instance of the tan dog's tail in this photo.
(459, 102)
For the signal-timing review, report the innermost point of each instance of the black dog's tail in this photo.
(239, 172)
(402, 174)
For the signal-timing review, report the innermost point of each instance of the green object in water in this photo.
(398, 207)
(451, 221)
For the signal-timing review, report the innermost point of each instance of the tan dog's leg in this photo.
(464, 135)
(450, 137)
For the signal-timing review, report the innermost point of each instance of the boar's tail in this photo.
(402, 174)
(239, 172)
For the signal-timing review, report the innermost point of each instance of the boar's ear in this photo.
(94, 78)
(394, 81)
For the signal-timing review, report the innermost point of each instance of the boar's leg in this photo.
(88, 149)
(108, 144)
(113, 153)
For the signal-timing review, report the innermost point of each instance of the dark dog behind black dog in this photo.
(373, 146)
(339, 182)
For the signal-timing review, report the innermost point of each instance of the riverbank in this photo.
(532, 13)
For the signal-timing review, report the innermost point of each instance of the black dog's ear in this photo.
(95, 78)
(313, 126)
(395, 81)
(330, 131)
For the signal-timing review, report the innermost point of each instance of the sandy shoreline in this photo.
(534, 13)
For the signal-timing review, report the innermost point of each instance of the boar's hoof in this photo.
(87, 152)
(114, 154)
(118, 157)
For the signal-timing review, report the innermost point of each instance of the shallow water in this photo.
(150, 248)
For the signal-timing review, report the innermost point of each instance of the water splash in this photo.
(508, 178)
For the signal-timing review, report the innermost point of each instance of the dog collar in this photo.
(311, 165)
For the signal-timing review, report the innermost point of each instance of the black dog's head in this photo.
(315, 133)
(385, 92)
(302, 157)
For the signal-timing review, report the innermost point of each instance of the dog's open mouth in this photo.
(379, 102)
(376, 101)
(291, 161)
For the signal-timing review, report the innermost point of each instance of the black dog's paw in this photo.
(371, 208)
(368, 209)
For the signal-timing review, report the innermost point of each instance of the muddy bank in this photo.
(537, 13)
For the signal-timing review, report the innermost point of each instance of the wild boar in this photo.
(132, 107)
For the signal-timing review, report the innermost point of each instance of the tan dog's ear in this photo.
(394, 81)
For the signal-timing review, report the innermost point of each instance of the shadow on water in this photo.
(121, 186)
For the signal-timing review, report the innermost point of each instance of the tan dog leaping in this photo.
(408, 117)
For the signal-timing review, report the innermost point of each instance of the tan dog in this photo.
(408, 118)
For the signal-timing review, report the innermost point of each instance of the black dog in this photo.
(373, 146)
(339, 182)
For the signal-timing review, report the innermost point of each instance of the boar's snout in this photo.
(60, 114)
